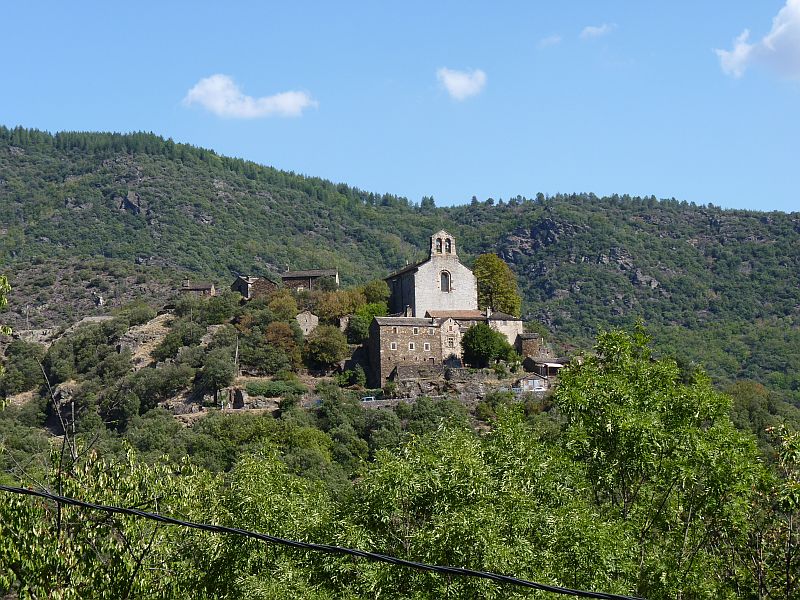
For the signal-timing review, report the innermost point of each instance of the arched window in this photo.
(445, 280)
(439, 245)
(448, 248)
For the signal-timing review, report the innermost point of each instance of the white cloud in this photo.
(221, 95)
(593, 31)
(779, 49)
(462, 84)
(550, 40)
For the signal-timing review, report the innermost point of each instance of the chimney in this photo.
(488, 311)
(408, 311)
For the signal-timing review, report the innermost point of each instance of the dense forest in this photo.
(665, 465)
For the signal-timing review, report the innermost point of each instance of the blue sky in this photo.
(449, 99)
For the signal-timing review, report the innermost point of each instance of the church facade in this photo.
(439, 283)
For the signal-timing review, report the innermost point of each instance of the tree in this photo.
(376, 291)
(326, 346)
(482, 345)
(218, 370)
(497, 285)
(664, 457)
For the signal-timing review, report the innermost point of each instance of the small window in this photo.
(415, 330)
(448, 248)
(430, 331)
(393, 346)
(451, 342)
(394, 329)
(445, 281)
(427, 347)
(411, 346)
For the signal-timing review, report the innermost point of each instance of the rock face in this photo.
(141, 340)
(525, 241)
(131, 203)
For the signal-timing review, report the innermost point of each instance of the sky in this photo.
(692, 100)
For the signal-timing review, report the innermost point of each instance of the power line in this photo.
(442, 570)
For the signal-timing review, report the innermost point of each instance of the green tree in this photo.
(218, 370)
(326, 346)
(376, 291)
(497, 285)
(482, 345)
(664, 457)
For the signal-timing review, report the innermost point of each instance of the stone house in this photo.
(198, 289)
(308, 280)
(253, 287)
(397, 341)
(307, 321)
(439, 283)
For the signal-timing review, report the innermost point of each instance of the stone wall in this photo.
(463, 294)
(384, 357)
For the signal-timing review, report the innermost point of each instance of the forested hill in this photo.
(130, 214)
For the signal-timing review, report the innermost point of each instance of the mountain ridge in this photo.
(87, 211)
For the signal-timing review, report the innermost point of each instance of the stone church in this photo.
(432, 303)
(439, 283)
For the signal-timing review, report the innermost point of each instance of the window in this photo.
(393, 346)
(394, 329)
(445, 281)
(430, 331)
(448, 248)
(439, 245)
(451, 342)
(411, 346)
(415, 330)
(427, 347)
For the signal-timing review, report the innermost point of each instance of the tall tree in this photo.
(497, 285)
(663, 456)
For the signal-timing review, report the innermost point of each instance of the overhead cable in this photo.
(443, 570)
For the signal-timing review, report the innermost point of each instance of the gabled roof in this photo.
(404, 321)
(196, 287)
(309, 273)
(406, 269)
(473, 315)
(501, 316)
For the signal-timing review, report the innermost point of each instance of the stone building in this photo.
(307, 321)
(438, 299)
(253, 287)
(198, 289)
(308, 280)
(397, 341)
(439, 283)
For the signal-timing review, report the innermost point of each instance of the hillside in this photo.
(127, 216)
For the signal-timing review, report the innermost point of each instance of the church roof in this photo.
(501, 316)
(406, 269)
(407, 321)
(456, 314)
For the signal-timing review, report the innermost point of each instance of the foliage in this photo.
(359, 324)
(376, 291)
(326, 346)
(663, 456)
(482, 345)
(497, 285)
(275, 389)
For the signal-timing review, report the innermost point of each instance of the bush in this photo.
(326, 346)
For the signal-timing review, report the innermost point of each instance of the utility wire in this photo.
(442, 570)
